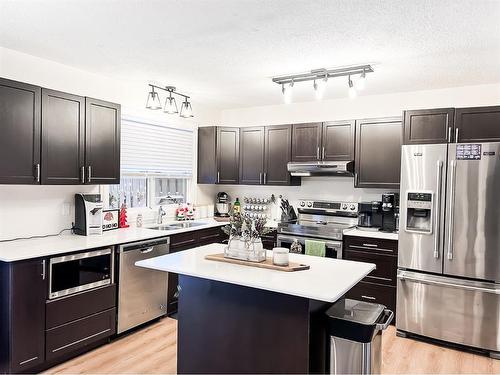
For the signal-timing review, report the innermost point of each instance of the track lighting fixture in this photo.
(352, 90)
(320, 78)
(170, 106)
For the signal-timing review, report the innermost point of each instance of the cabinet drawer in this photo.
(208, 236)
(183, 241)
(369, 292)
(79, 333)
(389, 247)
(387, 265)
(77, 306)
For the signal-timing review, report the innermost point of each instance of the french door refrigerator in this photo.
(448, 282)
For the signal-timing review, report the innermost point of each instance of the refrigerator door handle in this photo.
(437, 208)
(453, 165)
(406, 276)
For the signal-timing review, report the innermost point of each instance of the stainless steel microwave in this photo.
(75, 273)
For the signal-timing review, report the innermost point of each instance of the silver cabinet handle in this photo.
(83, 175)
(456, 135)
(370, 245)
(369, 297)
(449, 134)
(147, 250)
(89, 174)
(265, 177)
(323, 153)
(28, 360)
(437, 208)
(43, 270)
(260, 178)
(317, 153)
(218, 176)
(37, 172)
(453, 165)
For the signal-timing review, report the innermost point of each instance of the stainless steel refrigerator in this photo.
(448, 285)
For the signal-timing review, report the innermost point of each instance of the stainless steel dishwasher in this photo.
(142, 293)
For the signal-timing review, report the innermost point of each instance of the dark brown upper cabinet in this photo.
(22, 305)
(228, 151)
(251, 155)
(19, 133)
(63, 138)
(378, 153)
(277, 154)
(102, 142)
(477, 124)
(207, 155)
(306, 141)
(338, 140)
(428, 125)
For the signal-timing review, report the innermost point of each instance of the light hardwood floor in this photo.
(153, 350)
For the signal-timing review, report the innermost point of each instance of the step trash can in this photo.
(355, 342)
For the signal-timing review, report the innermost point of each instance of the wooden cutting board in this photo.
(268, 263)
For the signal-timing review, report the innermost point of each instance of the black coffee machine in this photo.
(370, 215)
(390, 212)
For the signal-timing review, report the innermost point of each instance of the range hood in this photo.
(321, 168)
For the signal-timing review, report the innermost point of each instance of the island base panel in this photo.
(227, 328)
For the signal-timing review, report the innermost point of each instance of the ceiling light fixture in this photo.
(170, 107)
(320, 78)
(287, 91)
(352, 90)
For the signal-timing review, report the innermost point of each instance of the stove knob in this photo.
(302, 204)
(352, 207)
(344, 206)
(309, 204)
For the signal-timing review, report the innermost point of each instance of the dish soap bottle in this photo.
(237, 206)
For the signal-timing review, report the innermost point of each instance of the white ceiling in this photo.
(224, 52)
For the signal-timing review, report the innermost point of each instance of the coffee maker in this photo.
(390, 212)
(88, 214)
(223, 205)
(370, 215)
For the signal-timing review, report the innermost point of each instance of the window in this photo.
(156, 166)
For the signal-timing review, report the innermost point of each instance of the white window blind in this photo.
(154, 149)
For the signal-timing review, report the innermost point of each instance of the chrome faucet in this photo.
(161, 213)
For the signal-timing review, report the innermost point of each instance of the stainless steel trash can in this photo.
(355, 330)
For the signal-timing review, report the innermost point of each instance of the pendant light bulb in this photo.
(287, 92)
(320, 87)
(186, 109)
(153, 101)
(170, 105)
(352, 90)
(361, 81)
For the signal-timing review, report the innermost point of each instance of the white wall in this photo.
(30, 210)
(339, 188)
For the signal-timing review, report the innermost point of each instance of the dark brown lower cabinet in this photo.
(22, 305)
(269, 240)
(380, 285)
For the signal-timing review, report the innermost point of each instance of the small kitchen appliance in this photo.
(88, 214)
(370, 216)
(390, 205)
(222, 205)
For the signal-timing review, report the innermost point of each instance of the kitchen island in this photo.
(240, 319)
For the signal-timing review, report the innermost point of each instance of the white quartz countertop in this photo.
(371, 234)
(66, 243)
(327, 280)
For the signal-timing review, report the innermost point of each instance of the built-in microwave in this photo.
(333, 249)
(75, 273)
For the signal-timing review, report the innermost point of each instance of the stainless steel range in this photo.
(319, 220)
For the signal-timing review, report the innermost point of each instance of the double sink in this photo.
(174, 226)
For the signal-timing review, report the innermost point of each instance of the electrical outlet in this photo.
(66, 209)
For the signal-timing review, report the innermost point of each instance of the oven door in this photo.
(333, 248)
(74, 273)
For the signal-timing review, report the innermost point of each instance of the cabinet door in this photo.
(28, 293)
(338, 140)
(378, 153)
(477, 124)
(251, 155)
(306, 141)
(428, 126)
(228, 151)
(277, 154)
(19, 133)
(207, 155)
(102, 139)
(63, 138)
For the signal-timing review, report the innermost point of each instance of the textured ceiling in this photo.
(225, 51)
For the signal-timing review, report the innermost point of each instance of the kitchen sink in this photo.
(174, 226)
